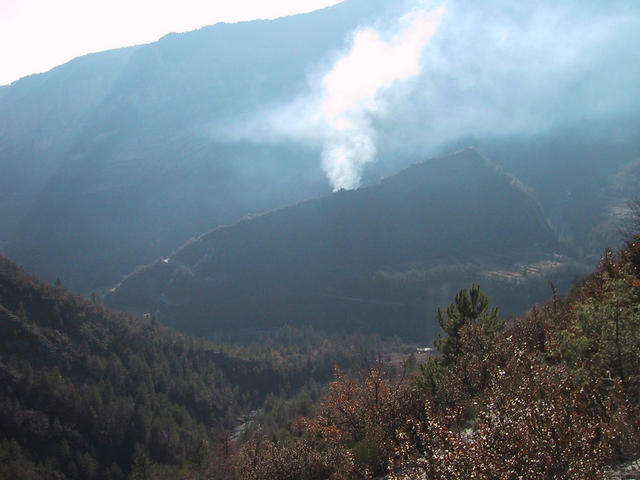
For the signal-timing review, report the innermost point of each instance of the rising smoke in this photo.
(338, 112)
(463, 69)
(354, 91)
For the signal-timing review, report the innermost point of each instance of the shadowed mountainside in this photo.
(331, 262)
(117, 158)
(111, 158)
(87, 392)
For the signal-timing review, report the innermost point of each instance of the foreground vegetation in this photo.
(552, 394)
(91, 393)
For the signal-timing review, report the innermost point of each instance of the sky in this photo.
(37, 35)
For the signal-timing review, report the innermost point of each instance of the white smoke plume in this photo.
(354, 91)
(432, 80)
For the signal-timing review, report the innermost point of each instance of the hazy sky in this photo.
(464, 70)
(37, 35)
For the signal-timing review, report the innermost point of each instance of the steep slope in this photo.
(41, 116)
(87, 392)
(117, 158)
(576, 176)
(84, 385)
(111, 156)
(323, 262)
(550, 394)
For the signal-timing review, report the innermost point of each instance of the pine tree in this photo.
(141, 468)
(469, 307)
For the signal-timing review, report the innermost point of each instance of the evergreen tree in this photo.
(469, 306)
(141, 468)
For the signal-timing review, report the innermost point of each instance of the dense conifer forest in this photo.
(92, 393)
(88, 392)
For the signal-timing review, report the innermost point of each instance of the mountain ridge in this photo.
(140, 117)
(440, 213)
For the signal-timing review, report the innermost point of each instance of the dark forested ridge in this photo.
(86, 392)
(552, 394)
(84, 387)
(379, 258)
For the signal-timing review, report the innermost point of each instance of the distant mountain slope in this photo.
(114, 159)
(322, 261)
(110, 157)
(610, 223)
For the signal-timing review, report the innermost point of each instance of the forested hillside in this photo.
(364, 242)
(551, 394)
(381, 258)
(91, 393)
(86, 392)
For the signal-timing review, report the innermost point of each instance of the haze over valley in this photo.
(273, 248)
(120, 157)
